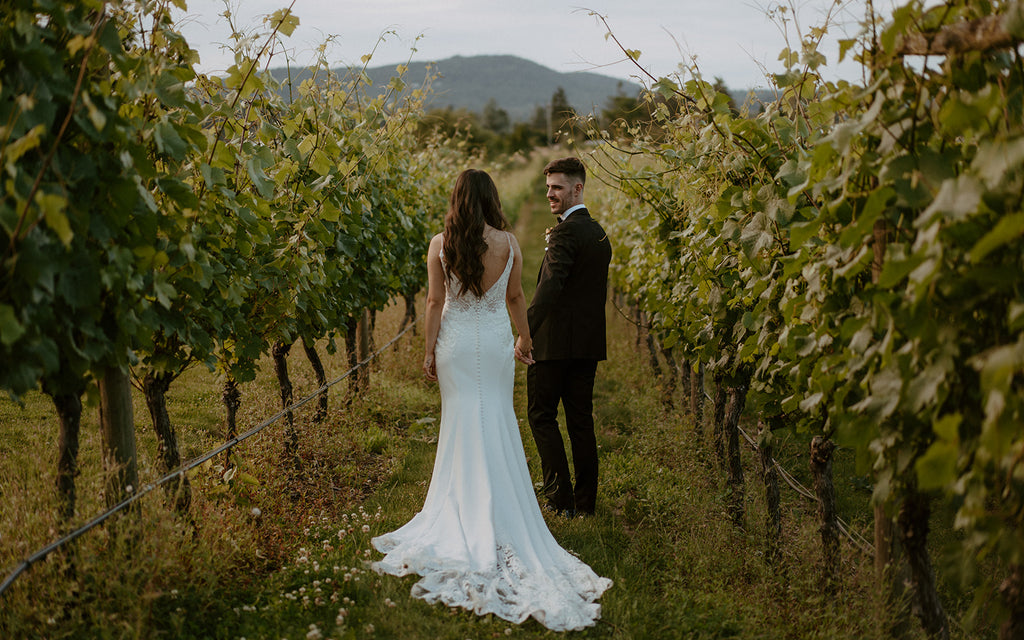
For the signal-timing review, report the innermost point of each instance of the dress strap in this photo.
(511, 253)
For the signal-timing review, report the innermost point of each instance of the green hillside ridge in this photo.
(517, 85)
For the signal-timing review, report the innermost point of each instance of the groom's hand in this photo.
(524, 351)
(525, 358)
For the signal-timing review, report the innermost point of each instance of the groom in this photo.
(568, 328)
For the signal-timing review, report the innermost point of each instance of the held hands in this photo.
(524, 350)
(430, 367)
(523, 353)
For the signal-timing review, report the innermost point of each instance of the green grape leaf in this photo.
(937, 467)
(284, 20)
(10, 329)
(948, 427)
(53, 207)
(1008, 229)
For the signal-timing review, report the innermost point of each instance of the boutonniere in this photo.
(547, 234)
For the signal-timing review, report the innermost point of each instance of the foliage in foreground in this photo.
(853, 256)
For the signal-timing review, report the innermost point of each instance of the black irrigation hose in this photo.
(188, 466)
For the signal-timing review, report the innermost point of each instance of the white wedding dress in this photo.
(480, 541)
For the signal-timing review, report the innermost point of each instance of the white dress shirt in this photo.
(565, 215)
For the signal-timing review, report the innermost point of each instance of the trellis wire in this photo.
(856, 539)
(185, 468)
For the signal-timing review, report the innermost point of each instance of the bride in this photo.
(480, 541)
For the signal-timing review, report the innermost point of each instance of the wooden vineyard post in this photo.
(117, 425)
(821, 468)
(888, 569)
(883, 524)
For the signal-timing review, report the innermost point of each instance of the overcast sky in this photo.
(732, 39)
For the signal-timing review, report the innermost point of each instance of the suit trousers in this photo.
(570, 382)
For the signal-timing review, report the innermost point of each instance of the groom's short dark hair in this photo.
(570, 166)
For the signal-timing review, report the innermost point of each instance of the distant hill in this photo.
(518, 85)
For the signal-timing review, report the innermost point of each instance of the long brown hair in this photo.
(474, 203)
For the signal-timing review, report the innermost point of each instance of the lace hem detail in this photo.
(561, 599)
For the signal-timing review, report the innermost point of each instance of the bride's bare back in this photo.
(496, 256)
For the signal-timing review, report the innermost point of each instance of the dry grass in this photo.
(118, 576)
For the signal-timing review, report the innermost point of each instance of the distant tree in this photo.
(563, 116)
(539, 120)
(495, 118)
(527, 135)
(460, 123)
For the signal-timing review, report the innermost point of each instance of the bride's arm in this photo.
(435, 302)
(516, 300)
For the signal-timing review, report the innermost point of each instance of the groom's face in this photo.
(563, 192)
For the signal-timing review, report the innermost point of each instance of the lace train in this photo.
(561, 600)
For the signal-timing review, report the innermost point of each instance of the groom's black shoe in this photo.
(565, 513)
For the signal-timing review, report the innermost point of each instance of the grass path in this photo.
(661, 533)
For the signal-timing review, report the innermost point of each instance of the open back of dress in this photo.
(480, 541)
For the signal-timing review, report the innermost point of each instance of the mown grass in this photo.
(299, 570)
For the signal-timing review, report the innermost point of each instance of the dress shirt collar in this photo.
(565, 215)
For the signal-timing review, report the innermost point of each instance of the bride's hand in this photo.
(524, 350)
(430, 367)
